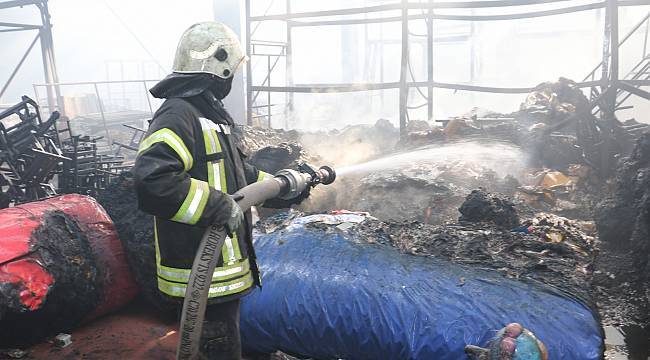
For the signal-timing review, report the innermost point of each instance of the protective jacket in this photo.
(186, 164)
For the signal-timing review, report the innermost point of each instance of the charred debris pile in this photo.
(520, 193)
(553, 214)
(41, 159)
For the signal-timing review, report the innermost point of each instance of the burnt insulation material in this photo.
(135, 229)
(64, 251)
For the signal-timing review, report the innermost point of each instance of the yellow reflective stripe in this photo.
(213, 146)
(216, 289)
(209, 149)
(263, 176)
(155, 237)
(173, 141)
(194, 203)
(220, 273)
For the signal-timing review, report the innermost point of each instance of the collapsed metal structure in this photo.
(609, 90)
(37, 162)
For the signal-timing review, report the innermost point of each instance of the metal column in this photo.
(249, 68)
(430, 63)
(288, 51)
(49, 64)
(609, 109)
(403, 87)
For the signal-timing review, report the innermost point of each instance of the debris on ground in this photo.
(482, 207)
(573, 194)
(553, 102)
(40, 159)
(62, 340)
(284, 155)
(536, 255)
(623, 221)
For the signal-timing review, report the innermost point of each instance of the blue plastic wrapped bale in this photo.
(326, 296)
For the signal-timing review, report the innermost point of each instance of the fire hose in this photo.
(287, 184)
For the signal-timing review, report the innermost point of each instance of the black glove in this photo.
(278, 203)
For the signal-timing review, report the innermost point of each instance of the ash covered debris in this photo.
(479, 206)
(553, 250)
(135, 229)
(273, 158)
(553, 102)
(623, 221)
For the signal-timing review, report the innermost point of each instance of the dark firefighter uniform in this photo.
(186, 164)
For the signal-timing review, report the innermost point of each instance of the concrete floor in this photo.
(136, 332)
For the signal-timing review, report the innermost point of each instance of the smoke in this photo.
(403, 186)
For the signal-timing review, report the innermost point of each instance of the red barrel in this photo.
(61, 263)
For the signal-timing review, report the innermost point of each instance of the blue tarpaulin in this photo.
(325, 296)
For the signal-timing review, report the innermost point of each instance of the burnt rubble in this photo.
(549, 249)
(40, 159)
(623, 221)
(63, 248)
(135, 230)
(531, 221)
(481, 207)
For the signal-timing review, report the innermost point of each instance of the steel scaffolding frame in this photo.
(609, 81)
(54, 99)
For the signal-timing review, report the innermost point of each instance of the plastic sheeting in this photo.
(327, 297)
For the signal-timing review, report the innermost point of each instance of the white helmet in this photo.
(208, 47)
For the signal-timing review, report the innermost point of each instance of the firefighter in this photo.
(187, 167)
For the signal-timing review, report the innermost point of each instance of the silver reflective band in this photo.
(209, 124)
(177, 276)
(201, 55)
(223, 273)
(216, 175)
(231, 251)
(194, 205)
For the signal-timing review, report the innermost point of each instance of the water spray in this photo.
(287, 184)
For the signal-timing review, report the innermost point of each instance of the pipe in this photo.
(286, 182)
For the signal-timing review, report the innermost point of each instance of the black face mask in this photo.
(221, 87)
(178, 85)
